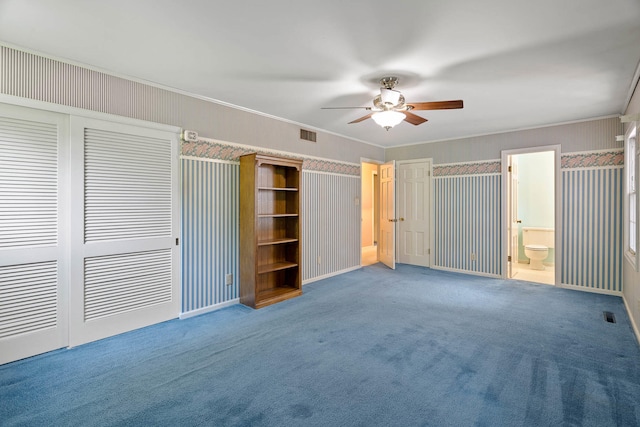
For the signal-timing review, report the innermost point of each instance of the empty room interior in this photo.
(319, 213)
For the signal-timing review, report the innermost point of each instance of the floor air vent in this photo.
(307, 135)
(609, 316)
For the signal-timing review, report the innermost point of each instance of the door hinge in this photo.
(509, 258)
(428, 251)
(509, 169)
(177, 241)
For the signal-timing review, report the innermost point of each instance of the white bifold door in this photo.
(124, 228)
(33, 232)
(89, 221)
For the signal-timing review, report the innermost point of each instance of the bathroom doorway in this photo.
(370, 212)
(531, 212)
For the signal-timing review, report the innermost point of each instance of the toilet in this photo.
(537, 241)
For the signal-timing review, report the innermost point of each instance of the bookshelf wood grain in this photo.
(270, 269)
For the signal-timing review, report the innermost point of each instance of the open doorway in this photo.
(531, 189)
(370, 211)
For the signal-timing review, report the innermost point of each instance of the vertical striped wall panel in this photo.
(467, 220)
(210, 232)
(330, 223)
(22, 74)
(210, 229)
(32, 76)
(592, 213)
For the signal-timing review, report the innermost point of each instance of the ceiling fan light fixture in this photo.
(388, 119)
(389, 97)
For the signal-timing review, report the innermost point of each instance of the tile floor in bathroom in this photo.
(523, 272)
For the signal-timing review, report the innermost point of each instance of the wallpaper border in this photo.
(591, 159)
(584, 159)
(226, 151)
(467, 168)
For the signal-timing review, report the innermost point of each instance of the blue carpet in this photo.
(373, 347)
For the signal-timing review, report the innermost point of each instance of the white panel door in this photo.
(125, 225)
(387, 244)
(413, 184)
(33, 243)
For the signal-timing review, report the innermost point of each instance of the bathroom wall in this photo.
(535, 196)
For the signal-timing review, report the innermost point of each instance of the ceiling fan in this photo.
(390, 108)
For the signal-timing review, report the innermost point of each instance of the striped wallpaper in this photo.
(592, 215)
(467, 215)
(31, 76)
(592, 228)
(330, 224)
(210, 229)
(209, 232)
(467, 221)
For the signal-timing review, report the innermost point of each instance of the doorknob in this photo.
(393, 220)
(519, 221)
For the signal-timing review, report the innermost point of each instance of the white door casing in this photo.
(512, 215)
(509, 219)
(515, 220)
(386, 245)
(33, 232)
(413, 211)
(125, 205)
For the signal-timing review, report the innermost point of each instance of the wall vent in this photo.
(307, 135)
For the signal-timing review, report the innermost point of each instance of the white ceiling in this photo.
(516, 64)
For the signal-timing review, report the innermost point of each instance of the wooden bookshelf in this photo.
(270, 269)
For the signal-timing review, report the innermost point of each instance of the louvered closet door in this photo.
(124, 258)
(33, 244)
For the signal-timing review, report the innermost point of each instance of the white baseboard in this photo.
(209, 308)
(592, 290)
(634, 325)
(473, 273)
(326, 276)
(215, 307)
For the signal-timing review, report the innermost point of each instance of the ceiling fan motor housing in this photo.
(388, 82)
(389, 100)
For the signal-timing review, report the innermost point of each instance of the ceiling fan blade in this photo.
(414, 119)
(344, 108)
(436, 105)
(361, 118)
